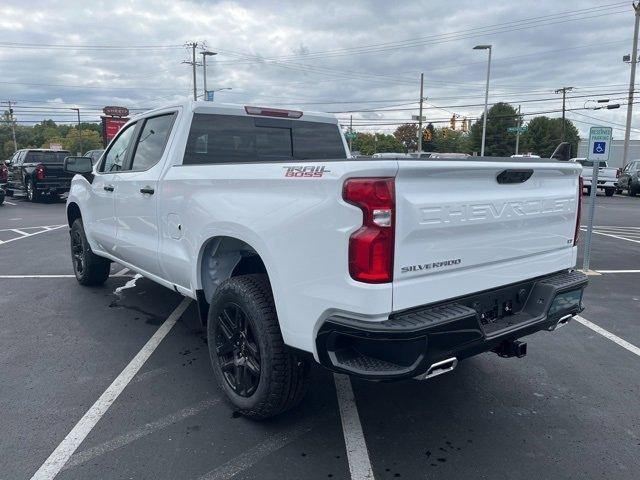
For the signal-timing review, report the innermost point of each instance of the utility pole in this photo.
(13, 126)
(420, 114)
(632, 81)
(518, 131)
(350, 131)
(79, 131)
(205, 54)
(564, 91)
(193, 64)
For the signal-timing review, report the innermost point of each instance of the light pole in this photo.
(486, 96)
(206, 54)
(79, 130)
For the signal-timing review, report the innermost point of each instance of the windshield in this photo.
(46, 156)
(589, 163)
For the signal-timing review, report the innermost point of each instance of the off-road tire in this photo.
(609, 192)
(90, 269)
(284, 376)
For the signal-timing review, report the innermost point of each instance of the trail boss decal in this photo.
(430, 266)
(306, 171)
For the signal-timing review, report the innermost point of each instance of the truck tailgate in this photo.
(460, 230)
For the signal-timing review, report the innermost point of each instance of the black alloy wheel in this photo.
(77, 252)
(237, 350)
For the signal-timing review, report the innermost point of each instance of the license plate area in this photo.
(503, 308)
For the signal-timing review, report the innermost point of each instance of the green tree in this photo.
(73, 142)
(407, 135)
(498, 142)
(449, 141)
(428, 138)
(368, 143)
(544, 134)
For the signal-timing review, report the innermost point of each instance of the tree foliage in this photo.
(498, 142)
(368, 143)
(407, 135)
(544, 134)
(42, 134)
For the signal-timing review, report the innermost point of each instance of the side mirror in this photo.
(7, 162)
(81, 165)
(562, 152)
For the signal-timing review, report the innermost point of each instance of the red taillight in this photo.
(371, 246)
(576, 234)
(39, 172)
(4, 173)
(273, 112)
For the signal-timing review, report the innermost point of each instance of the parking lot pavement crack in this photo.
(129, 437)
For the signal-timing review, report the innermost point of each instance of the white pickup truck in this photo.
(607, 176)
(378, 268)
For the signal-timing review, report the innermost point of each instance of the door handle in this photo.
(109, 188)
(147, 190)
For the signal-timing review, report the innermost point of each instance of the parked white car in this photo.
(379, 268)
(607, 176)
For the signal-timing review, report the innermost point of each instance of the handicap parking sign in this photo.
(599, 143)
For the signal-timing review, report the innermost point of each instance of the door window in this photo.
(151, 142)
(117, 153)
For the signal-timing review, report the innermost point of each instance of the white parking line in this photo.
(10, 203)
(357, 453)
(614, 338)
(249, 458)
(20, 232)
(618, 271)
(116, 275)
(121, 272)
(27, 235)
(129, 437)
(612, 236)
(52, 466)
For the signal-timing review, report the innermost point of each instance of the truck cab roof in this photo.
(252, 110)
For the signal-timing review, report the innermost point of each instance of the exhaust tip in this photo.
(561, 322)
(438, 368)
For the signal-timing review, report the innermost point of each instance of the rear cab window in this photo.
(239, 139)
(35, 156)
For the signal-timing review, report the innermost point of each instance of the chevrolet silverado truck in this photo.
(607, 176)
(378, 268)
(35, 172)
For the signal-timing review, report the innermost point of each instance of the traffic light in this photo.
(452, 122)
(426, 136)
(465, 125)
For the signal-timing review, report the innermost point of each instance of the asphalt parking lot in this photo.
(569, 409)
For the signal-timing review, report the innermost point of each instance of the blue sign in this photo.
(209, 96)
(599, 147)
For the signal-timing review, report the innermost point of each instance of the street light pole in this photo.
(486, 96)
(518, 131)
(420, 114)
(206, 54)
(632, 81)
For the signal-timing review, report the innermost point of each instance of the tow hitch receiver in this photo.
(511, 348)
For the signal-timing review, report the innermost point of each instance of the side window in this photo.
(115, 157)
(151, 142)
(20, 157)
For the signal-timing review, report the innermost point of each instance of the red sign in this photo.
(116, 111)
(111, 126)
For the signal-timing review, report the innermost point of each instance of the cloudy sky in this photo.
(363, 58)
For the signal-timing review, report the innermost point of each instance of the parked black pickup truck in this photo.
(35, 172)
